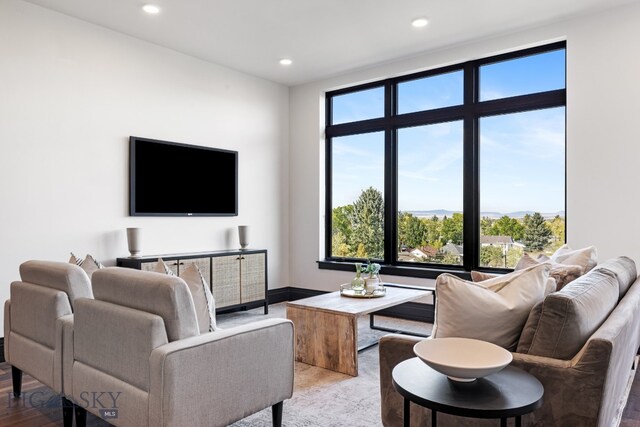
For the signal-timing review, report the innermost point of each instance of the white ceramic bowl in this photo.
(462, 359)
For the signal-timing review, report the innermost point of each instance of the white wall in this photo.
(71, 93)
(603, 103)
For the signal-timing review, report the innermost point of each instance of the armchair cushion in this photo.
(160, 294)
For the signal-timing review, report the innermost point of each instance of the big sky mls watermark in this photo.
(105, 402)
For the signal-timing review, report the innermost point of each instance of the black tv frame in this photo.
(132, 180)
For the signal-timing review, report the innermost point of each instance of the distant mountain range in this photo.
(519, 214)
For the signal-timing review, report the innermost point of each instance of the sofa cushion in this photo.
(494, 310)
(62, 276)
(562, 273)
(587, 257)
(89, 264)
(166, 296)
(559, 326)
(625, 271)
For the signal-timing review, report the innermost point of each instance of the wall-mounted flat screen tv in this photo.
(171, 179)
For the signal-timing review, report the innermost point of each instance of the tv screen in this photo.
(171, 179)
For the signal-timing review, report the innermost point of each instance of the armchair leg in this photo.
(67, 412)
(81, 416)
(276, 414)
(16, 376)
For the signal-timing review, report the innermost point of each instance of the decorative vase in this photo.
(243, 236)
(371, 283)
(134, 242)
(357, 284)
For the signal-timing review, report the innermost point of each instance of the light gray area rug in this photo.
(326, 398)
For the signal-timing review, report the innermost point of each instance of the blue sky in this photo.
(521, 155)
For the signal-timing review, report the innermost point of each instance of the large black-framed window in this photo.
(451, 169)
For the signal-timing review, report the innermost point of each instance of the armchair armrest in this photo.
(222, 376)
(7, 329)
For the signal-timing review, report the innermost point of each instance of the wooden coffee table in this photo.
(327, 325)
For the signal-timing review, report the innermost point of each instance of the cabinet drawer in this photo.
(225, 280)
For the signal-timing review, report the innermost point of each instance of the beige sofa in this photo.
(580, 342)
(138, 343)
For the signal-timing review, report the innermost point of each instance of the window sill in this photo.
(397, 270)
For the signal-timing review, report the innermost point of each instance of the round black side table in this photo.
(511, 392)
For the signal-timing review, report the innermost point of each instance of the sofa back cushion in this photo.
(62, 276)
(160, 294)
(560, 325)
(625, 271)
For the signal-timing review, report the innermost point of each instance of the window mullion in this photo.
(471, 173)
(390, 178)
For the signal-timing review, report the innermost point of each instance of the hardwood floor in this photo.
(39, 406)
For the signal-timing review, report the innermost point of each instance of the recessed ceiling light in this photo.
(420, 22)
(286, 62)
(151, 9)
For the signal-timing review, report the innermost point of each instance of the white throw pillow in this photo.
(202, 298)
(587, 258)
(481, 277)
(203, 301)
(89, 264)
(162, 267)
(494, 310)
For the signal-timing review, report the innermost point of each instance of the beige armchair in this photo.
(136, 358)
(33, 316)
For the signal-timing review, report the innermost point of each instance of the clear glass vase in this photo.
(357, 283)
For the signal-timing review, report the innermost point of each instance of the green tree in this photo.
(507, 226)
(536, 232)
(341, 231)
(339, 246)
(491, 256)
(412, 231)
(452, 229)
(513, 256)
(367, 222)
(557, 228)
(485, 226)
(434, 232)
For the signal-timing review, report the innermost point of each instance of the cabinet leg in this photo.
(266, 307)
(16, 377)
(276, 414)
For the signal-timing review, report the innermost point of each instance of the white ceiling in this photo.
(322, 37)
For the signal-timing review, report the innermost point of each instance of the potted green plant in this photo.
(373, 280)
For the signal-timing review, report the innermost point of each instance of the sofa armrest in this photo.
(7, 329)
(220, 377)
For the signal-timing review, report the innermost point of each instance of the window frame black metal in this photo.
(469, 112)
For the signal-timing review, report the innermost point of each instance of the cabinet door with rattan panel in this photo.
(225, 280)
(203, 264)
(252, 276)
(150, 266)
